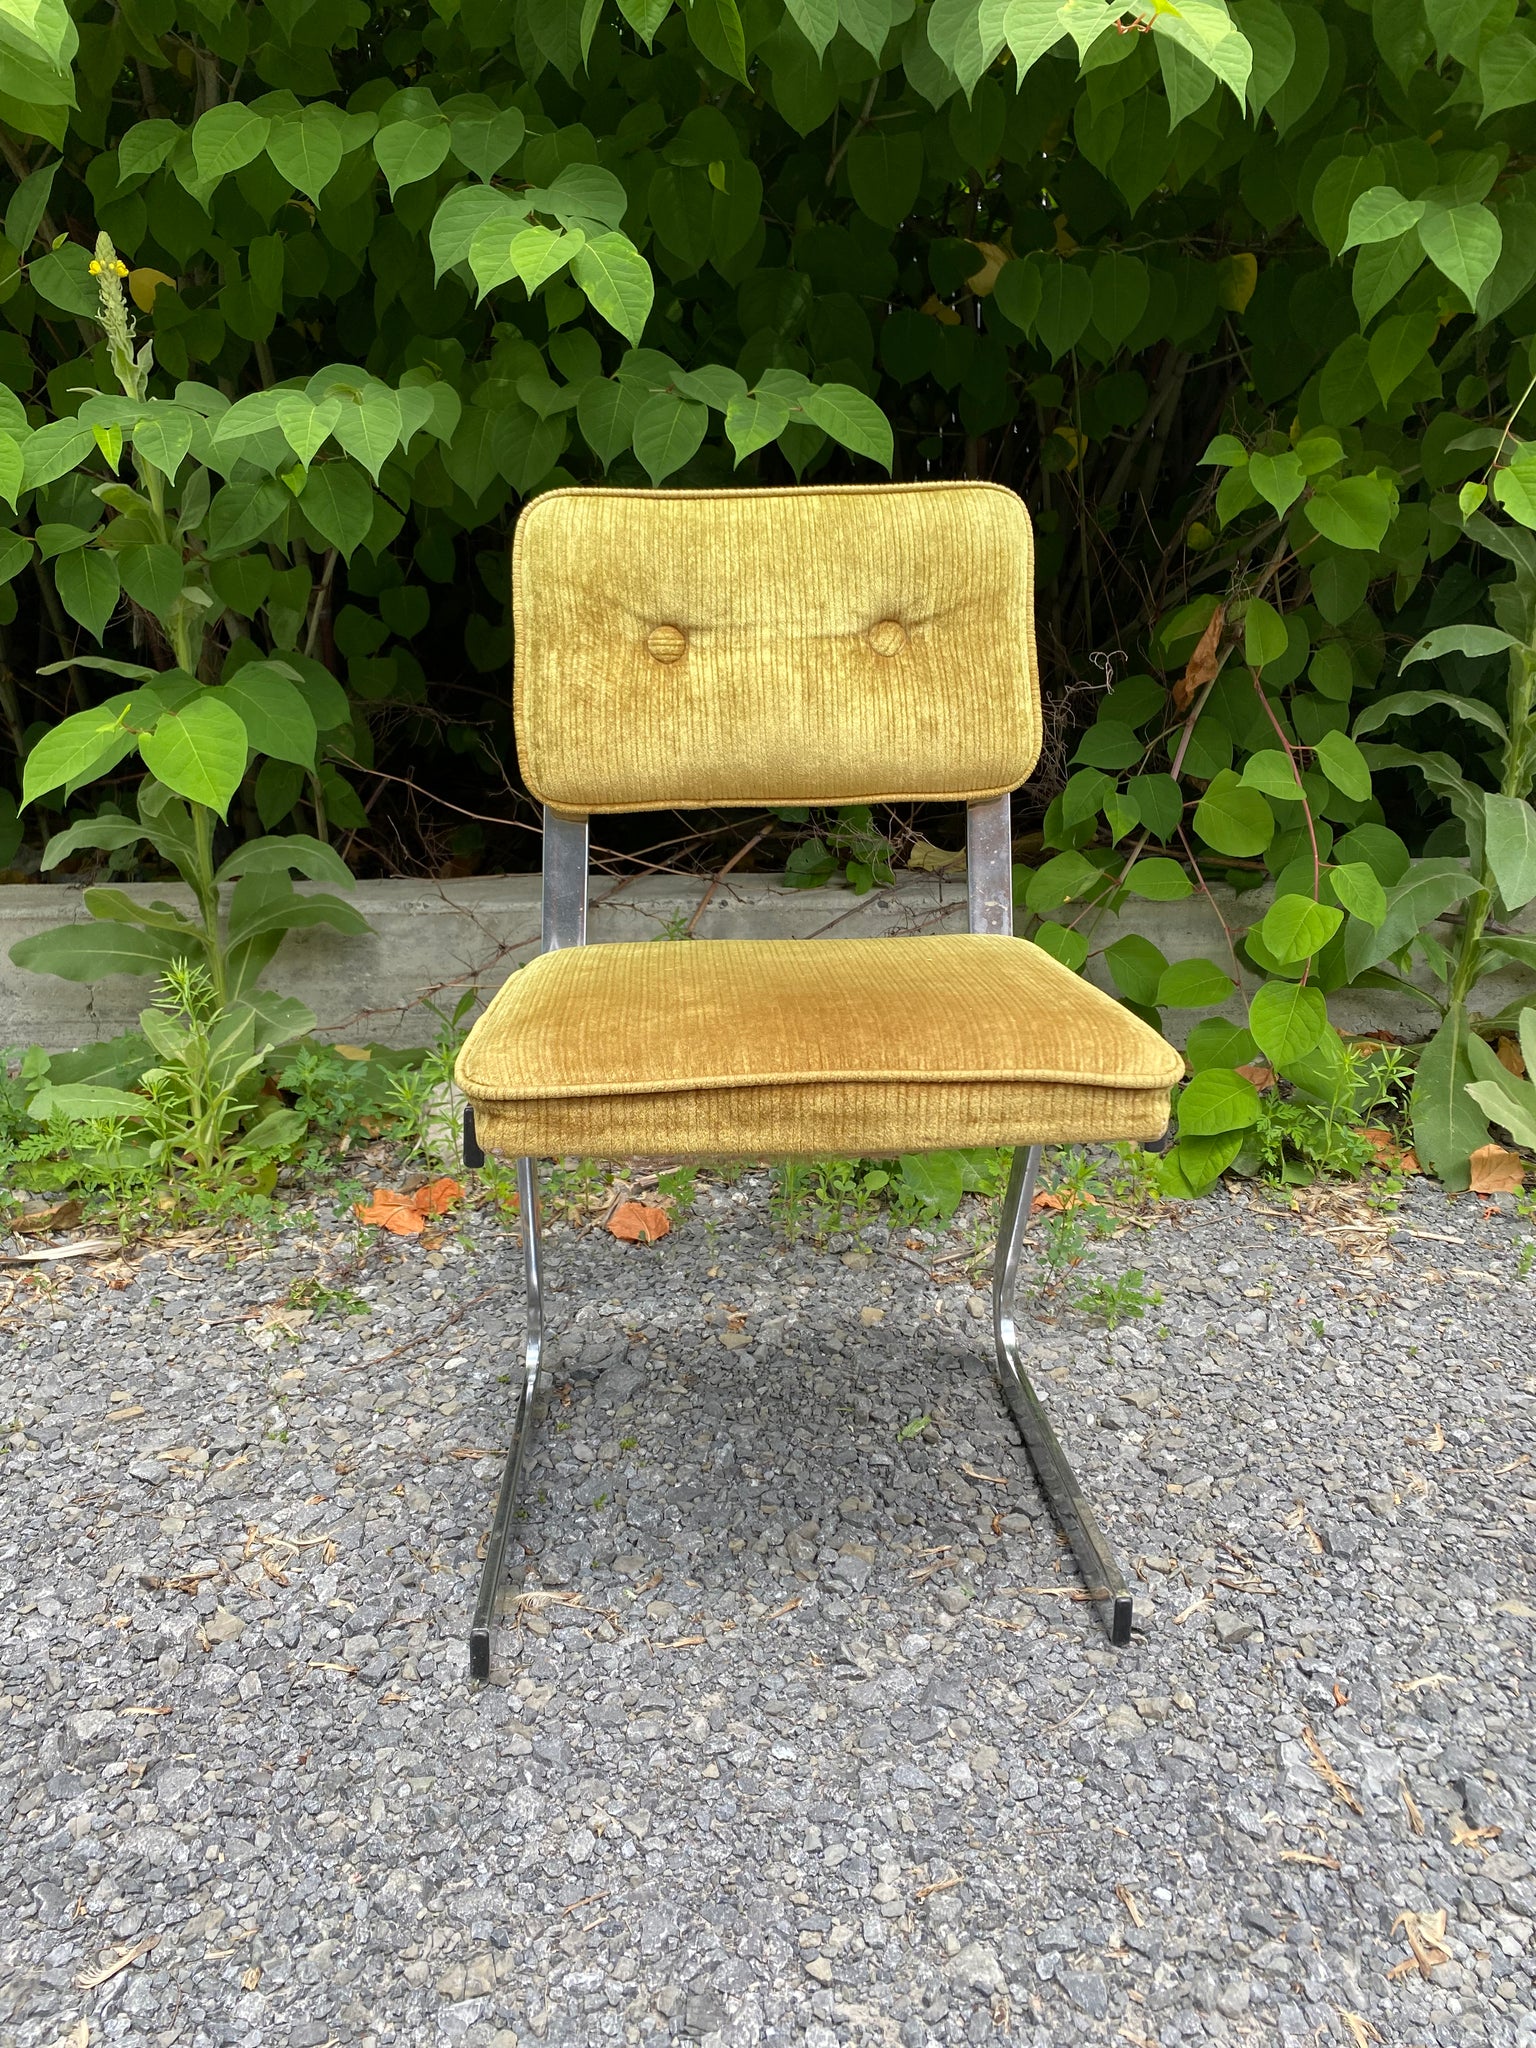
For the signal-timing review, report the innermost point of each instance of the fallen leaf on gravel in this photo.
(103, 1973)
(1203, 666)
(1425, 1935)
(1260, 1073)
(1307, 1856)
(391, 1211)
(1496, 1171)
(86, 1248)
(1064, 1198)
(1464, 1836)
(406, 1215)
(634, 1223)
(1519, 1608)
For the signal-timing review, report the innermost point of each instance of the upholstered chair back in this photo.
(741, 647)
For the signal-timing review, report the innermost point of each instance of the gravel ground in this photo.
(795, 1732)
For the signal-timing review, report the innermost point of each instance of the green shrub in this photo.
(1240, 298)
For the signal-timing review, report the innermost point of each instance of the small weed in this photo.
(629, 1443)
(322, 1300)
(1117, 1301)
(1527, 1258)
(679, 1188)
(915, 1427)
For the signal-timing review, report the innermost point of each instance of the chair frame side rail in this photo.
(989, 838)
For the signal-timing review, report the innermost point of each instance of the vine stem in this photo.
(1306, 808)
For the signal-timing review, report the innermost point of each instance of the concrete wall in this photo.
(432, 940)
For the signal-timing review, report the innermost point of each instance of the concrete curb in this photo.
(433, 940)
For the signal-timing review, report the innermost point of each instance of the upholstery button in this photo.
(889, 636)
(666, 643)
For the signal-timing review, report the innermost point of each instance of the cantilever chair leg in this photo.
(522, 1421)
(1095, 1560)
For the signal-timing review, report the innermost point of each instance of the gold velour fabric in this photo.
(792, 1048)
(827, 645)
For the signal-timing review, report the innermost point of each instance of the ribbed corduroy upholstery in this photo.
(825, 645)
(786, 1048)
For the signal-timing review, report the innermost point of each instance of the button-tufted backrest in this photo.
(825, 645)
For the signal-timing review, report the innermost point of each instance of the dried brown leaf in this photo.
(634, 1223)
(1202, 666)
(1496, 1171)
(1509, 1055)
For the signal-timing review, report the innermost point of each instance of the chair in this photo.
(817, 646)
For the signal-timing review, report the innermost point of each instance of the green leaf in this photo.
(1271, 771)
(1429, 888)
(1296, 927)
(62, 278)
(199, 751)
(294, 853)
(849, 417)
(305, 425)
(1233, 819)
(937, 1179)
(885, 170)
(1066, 307)
(89, 952)
(1510, 844)
(1062, 943)
(226, 139)
(86, 744)
(272, 708)
(1213, 1042)
(1344, 765)
(606, 411)
(1382, 215)
(1120, 288)
(1215, 1101)
(617, 281)
(485, 137)
(1016, 292)
(1353, 511)
(1475, 641)
(667, 433)
(1264, 634)
(107, 833)
(163, 436)
(1357, 887)
(1506, 71)
(265, 901)
(816, 21)
(1448, 1125)
(1408, 703)
(1159, 880)
(1286, 1020)
(411, 149)
(1463, 243)
(1279, 480)
(1192, 985)
(1137, 967)
(151, 575)
(714, 28)
(88, 587)
(752, 422)
(305, 148)
(1398, 346)
(81, 1102)
(338, 504)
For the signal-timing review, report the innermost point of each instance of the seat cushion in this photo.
(792, 1048)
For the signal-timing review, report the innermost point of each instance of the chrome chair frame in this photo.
(989, 847)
